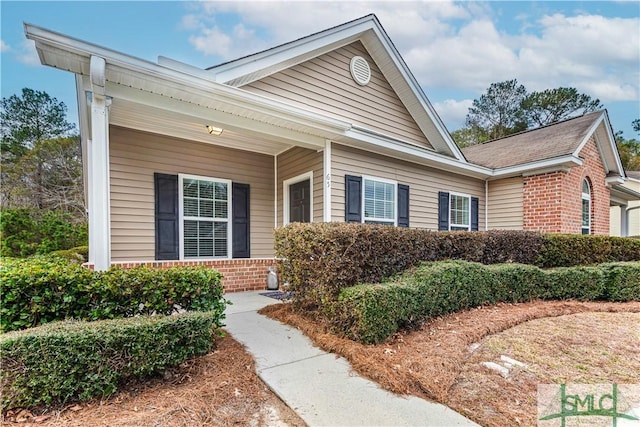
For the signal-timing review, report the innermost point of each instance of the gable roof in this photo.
(370, 33)
(563, 139)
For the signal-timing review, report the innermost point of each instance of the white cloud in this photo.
(4, 47)
(447, 45)
(28, 54)
(452, 112)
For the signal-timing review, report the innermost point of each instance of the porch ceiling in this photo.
(155, 120)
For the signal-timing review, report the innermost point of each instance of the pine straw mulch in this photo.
(218, 389)
(436, 361)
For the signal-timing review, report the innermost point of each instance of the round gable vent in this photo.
(360, 70)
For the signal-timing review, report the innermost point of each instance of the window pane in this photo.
(459, 214)
(190, 188)
(205, 201)
(206, 189)
(585, 187)
(585, 213)
(221, 191)
(206, 209)
(205, 248)
(379, 200)
(190, 207)
(221, 209)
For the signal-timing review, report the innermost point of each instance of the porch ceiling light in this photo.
(214, 130)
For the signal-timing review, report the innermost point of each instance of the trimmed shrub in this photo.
(319, 260)
(72, 360)
(79, 254)
(581, 283)
(564, 250)
(48, 288)
(371, 313)
(25, 232)
(42, 289)
(622, 281)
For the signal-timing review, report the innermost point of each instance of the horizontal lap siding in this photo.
(424, 183)
(298, 161)
(324, 84)
(506, 204)
(136, 156)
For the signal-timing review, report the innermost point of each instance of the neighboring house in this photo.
(192, 166)
(625, 221)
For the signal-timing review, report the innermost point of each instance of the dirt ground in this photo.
(560, 342)
(218, 389)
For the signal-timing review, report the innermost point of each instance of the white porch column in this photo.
(99, 209)
(624, 221)
(326, 189)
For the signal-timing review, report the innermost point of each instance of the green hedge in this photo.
(72, 360)
(25, 232)
(320, 259)
(43, 289)
(371, 313)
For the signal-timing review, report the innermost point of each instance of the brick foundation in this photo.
(239, 274)
(553, 201)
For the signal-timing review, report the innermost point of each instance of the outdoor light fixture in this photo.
(214, 130)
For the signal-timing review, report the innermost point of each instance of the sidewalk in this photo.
(321, 387)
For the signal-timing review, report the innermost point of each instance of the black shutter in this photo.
(166, 216)
(240, 221)
(403, 205)
(443, 210)
(353, 196)
(474, 214)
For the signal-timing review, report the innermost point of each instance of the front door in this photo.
(300, 201)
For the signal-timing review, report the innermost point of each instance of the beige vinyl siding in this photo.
(135, 156)
(424, 183)
(295, 162)
(324, 84)
(506, 204)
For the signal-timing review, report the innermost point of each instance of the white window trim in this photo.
(451, 225)
(285, 195)
(395, 200)
(585, 196)
(181, 177)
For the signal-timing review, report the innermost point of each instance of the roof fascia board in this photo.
(535, 168)
(420, 154)
(603, 120)
(619, 189)
(342, 34)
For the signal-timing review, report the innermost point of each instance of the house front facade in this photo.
(197, 167)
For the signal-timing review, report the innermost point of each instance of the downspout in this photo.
(486, 204)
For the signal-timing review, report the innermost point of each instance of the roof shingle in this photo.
(547, 142)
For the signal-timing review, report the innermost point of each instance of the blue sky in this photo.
(455, 49)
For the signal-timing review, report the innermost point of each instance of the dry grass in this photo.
(218, 389)
(570, 342)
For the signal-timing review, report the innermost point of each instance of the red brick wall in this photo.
(239, 274)
(553, 201)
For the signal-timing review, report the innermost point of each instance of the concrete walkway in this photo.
(321, 387)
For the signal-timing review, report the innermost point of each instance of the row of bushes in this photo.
(72, 360)
(25, 232)
(320, 259)
(371, 313)
(44, 289)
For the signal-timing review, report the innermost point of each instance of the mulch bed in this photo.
(218, 389)
(429, 360)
